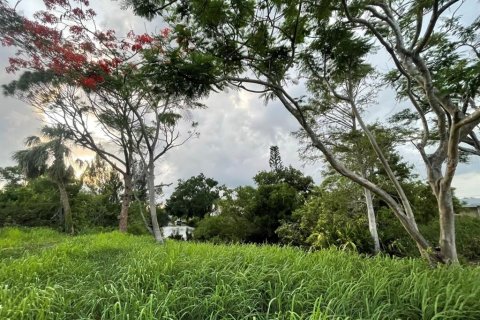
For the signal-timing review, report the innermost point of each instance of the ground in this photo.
(47, 275)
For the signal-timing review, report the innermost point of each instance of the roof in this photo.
(470, 202)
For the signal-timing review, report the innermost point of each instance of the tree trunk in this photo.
(157, 232)
(444, 195)
(67, 212)
(447, 226)
(127, 196)
(372, 223)
(407, 220)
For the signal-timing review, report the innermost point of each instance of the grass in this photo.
(46, 275)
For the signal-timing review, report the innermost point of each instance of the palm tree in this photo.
(48, 157)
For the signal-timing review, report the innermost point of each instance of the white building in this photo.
(178, 229)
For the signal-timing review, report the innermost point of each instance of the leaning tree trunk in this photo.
(67, 212)
(401, 210)
(127, 197)
(372, 223)
(157, 232)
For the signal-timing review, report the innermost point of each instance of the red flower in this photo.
(89, 83)
(144, 39)
(115, 62)
(104, 66)
(76, 30)
(137, 47)
(7, 41)
(79, 13)
(46, 17)
(165, 32)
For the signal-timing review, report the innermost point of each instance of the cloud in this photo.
(467, 184)
(236, 130)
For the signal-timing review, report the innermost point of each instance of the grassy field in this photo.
(45, 275)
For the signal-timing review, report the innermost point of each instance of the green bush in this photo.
(223, 228)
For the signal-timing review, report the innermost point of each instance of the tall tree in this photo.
(435, 58)
(92, 81)
(49, 157)
(261, 45)
(193, 197)
(275, 161)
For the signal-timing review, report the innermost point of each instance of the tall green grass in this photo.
(118, 276)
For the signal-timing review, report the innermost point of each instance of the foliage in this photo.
(12, 176)
(327, 44)
(335, 215)
(35, 204)
(226, 228)
(119, 276)
(262, 209)
(100, 178)
(193, 197)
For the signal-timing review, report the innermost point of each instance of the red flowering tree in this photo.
(97, 86)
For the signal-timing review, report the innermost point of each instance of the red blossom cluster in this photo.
(46, 17)
(165, 32)
(76, 30)
(86, 57)
(7, 41)
(140, 41)
(91, 81)
(144, 39)
(107, 65)
(79, 13)
(37, 30)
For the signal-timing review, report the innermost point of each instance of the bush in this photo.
(223, 228)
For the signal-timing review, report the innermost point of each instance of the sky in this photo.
(236, 130)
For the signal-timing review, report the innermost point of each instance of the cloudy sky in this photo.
(236, 130)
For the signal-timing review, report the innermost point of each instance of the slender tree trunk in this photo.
(127, 197)
(447, 226)
(444, 195)
(157, 232)
(67, 212)
(372, 223)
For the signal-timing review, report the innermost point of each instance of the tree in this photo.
(49, 158)
(435, 72)
(33, 204)
(275, 161)
(92, 76)
(353, 147)
(261, 45)
(101, 179)
(194, 197)
(12, 176)
(279, 193)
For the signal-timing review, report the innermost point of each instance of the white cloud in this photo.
(236, 130)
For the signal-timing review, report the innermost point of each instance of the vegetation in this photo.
(45, 275)
(194, 197)
(268, 46)
(283, 247)
(49, 158)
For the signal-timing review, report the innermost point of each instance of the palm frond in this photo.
(32, 140)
